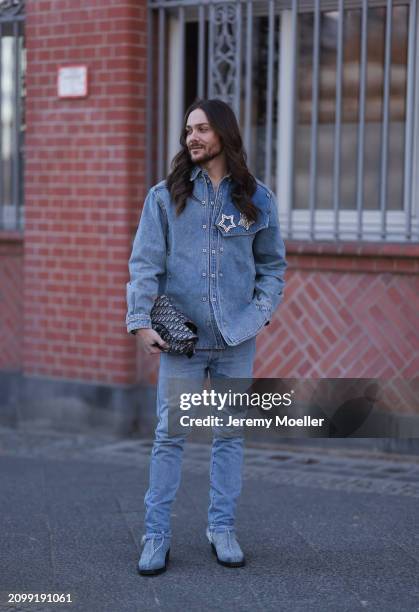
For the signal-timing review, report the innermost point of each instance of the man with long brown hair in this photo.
(209, 238)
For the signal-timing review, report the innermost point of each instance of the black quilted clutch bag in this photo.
(174, 327)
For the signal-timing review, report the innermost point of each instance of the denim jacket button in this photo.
(212, 275)
(213, 251)
(204, 299)
(214, 299)
(221, 249)
(204, 250)
(204, 273)
(204, 227)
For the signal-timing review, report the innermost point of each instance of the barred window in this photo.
(12, 116)
(325, 96)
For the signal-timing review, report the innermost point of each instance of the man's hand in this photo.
(149, 338)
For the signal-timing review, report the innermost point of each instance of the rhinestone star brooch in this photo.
(224, 218)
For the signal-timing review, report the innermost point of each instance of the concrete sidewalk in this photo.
(321, 531)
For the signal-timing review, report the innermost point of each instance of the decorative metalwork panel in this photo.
(223, 55)
(11, 7)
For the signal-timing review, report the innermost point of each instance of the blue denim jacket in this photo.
(226, 275)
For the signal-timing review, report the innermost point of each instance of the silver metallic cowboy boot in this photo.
(155, 554)
(226, 548)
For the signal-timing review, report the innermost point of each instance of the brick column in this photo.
(84, 185)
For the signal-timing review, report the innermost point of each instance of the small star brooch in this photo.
(244, 221)
(224, 218)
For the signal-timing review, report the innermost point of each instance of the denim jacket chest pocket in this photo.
(236, 237)
(231, 222)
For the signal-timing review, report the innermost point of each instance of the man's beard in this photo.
(208, 157)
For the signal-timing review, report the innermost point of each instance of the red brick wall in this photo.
(85, 175)
(11, 300)
(342, 325)
(349, 312)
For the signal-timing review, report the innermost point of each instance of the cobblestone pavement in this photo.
(322, 530)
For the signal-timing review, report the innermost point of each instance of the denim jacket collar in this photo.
(197, 170)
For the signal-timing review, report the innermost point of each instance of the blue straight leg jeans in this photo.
(226, 453)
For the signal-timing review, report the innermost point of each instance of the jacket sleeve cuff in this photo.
(137, 321)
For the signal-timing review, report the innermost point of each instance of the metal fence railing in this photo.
(325, 94)
(12, 118)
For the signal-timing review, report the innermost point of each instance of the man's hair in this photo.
(224, 123)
